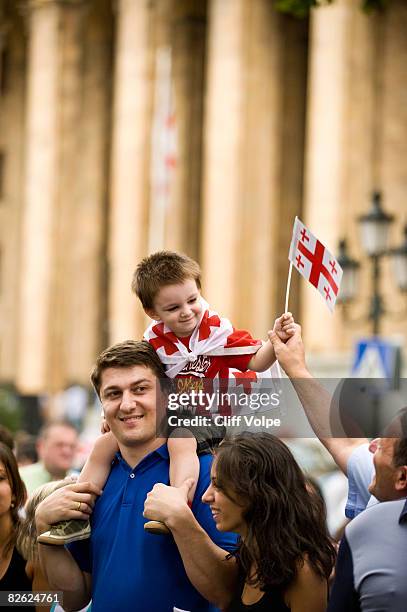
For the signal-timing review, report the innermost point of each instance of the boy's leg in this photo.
(96, 470)
(184, 463)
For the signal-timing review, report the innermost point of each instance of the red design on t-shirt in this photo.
(166, 340)
(245, 379)
(206, 324)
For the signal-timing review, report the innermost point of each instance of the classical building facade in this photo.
(127, 126)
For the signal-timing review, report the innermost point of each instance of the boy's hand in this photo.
(104, 428)
(290, 354)
(285, 326)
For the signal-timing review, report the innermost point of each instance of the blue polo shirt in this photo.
(132, 569)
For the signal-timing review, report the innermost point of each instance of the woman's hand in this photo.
(167, 504)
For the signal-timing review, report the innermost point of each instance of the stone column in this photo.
(176, 136)
(188, 48)
(54, 166)
(393, 123)
(243, 161)
(356, 142)
(86, 294)
(224, 139)
(70, 226)
(324, 154)
(12, 49)
(130, 163)
(40, 193)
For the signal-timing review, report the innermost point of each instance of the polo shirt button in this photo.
(132, 475)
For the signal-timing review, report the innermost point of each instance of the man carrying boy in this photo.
(195, 345)
(122, 567)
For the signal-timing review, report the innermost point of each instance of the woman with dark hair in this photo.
(13, 567)
(285, 556)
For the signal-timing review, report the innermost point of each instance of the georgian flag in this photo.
(315, 263)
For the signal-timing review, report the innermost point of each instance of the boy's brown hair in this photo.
(161, 269)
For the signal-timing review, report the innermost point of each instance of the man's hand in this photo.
(290, 354)
(284, 326)
(167, 504)
(75, 501)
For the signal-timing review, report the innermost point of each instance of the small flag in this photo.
(315, 263)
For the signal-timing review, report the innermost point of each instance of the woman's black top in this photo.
(16, 579)
(272, 601)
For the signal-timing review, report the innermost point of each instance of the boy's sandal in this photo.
(157, 528)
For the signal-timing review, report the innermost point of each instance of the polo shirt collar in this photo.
(162, 451)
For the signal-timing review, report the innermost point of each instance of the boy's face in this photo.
(178, 306)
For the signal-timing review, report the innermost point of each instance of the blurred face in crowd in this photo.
(5, 492)
(227, 511)
(57, 449)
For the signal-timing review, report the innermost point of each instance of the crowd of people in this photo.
(246, 530)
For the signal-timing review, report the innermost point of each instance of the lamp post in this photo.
(374, 230)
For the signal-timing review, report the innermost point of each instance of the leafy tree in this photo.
(301, 8)
(10, 409)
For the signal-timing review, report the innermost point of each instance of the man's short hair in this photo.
(161, 269)
(45, 429)
(400, 448)
(125, 355)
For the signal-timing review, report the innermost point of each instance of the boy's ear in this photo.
(150, 312)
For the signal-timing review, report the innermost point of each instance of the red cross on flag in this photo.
(315, 263)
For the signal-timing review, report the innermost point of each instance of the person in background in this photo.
(6, 437)
(370, 573)
(27, 538)
(372, 558)
(14, 574)
(57, 445)
(26, 449)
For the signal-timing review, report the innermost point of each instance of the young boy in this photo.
(194, 344)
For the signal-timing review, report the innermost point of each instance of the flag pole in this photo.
(287, 293)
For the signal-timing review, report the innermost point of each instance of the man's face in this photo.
(384, 479)
(179, 307)
(57, 449)
(129, 399)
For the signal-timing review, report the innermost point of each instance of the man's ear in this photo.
(150, 312)
(401, 482)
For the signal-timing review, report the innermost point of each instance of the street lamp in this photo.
(374, 229)
(400, 263)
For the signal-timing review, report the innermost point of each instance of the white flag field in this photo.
(315, 263)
